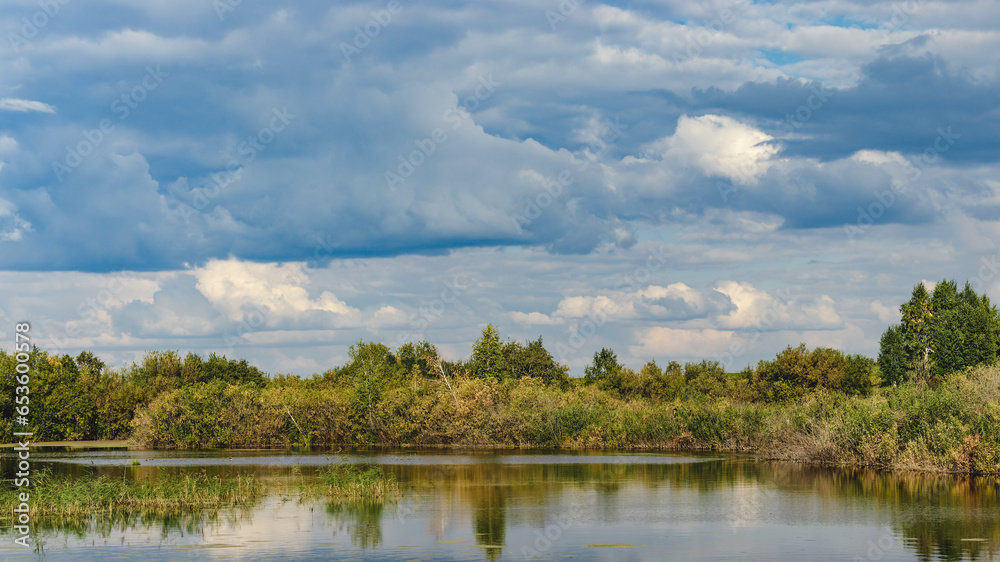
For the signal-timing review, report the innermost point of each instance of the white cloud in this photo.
(886, 314)
(16, 104)
(238, 288)
(758, 309)
(12, 226)
(533, 319)
(665, 342)
(719, 145)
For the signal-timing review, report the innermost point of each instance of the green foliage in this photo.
(797, 371)
(893, 361)
(860, 375)
(373, 369)
(916, 324)
(62, 497)
(487, 361)
(604, 370)
(417, 359)
(940, 334)
(659, 384)
(356, 483)
(533, 360)
(61, 401)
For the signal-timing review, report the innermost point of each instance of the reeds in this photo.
(56, 497)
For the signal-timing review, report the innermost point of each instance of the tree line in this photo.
(81, 398)
(940, 332)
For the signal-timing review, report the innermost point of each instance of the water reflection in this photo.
(362, 519)
(492, 507)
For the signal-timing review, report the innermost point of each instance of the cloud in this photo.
(23, 106)
(533, 318)
(885, 313)
(12, 226)
(541, 164)
(239, 289)
(663, 342)
(720, 146)
(759, 310)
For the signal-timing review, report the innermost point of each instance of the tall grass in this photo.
(952, 427)
(349, 483)
(69, 498)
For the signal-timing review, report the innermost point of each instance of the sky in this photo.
(277, 181)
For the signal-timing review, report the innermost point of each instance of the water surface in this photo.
(543, 506)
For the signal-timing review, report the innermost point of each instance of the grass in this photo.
(69, 497)
(356, 483)
(56, 497)
(950, 426)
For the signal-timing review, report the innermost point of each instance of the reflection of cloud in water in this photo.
(488, 506)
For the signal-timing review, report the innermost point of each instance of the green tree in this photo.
(487, 359)
(980, 328)
(608, 374)
(917, 316)
(893, 361)
(416, 359)
(796, 371)
(660, 384)
(373, 369)
(940, 333)
(61, 408)
(859, 375)
(706, 378)
(533, 360)
(605, 366)
(947, 335)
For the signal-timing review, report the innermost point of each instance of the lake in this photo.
(514, 505)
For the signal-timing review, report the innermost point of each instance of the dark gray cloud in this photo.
(823, 147)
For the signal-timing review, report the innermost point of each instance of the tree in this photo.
(487, 359)
(947, 334)
(705, 377)
(606, 373)
(940, 333)
(533, 360)
(371, 371)
(796, 370)
(660, 384)
(605, 364)
(893, 361)
(980, 327)
(916, 325)
(418, 359)
(859, 375)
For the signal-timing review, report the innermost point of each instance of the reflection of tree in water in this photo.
(364, 519)
(966, 511)
(489, 519)
(940, 517)
(933, 513)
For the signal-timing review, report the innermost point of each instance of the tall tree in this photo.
(533, 360)
(487, 359)
(940, 333)
(980, 327)
(372, 371)
(893, 361)
(916, 324)
(605, 366)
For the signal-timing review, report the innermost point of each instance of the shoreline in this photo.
(750, 453)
